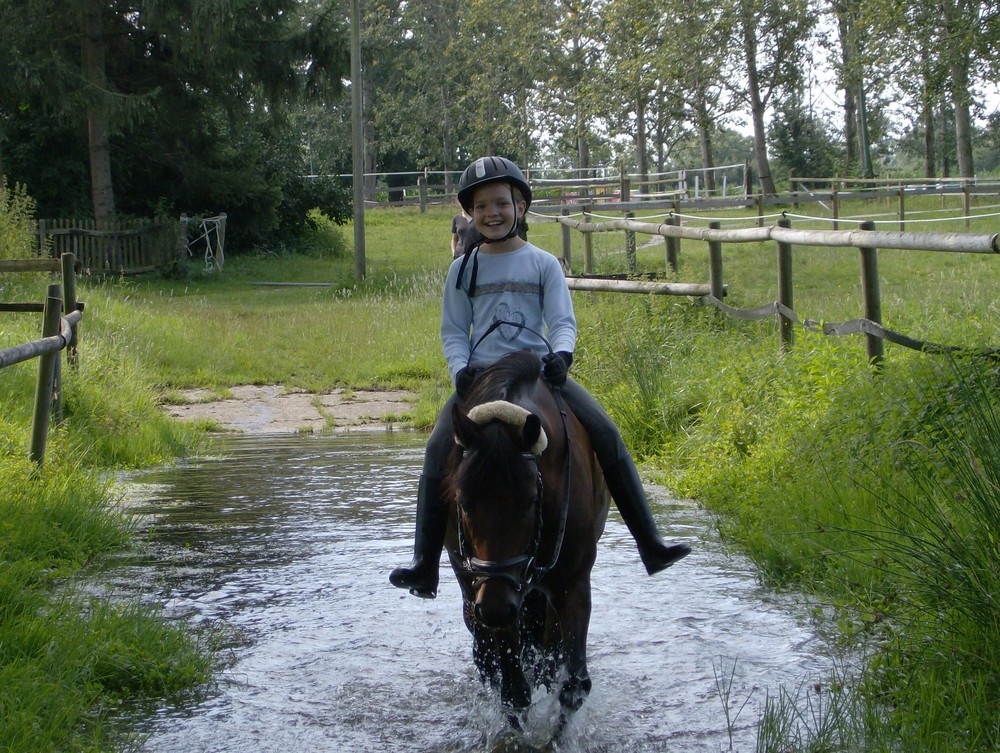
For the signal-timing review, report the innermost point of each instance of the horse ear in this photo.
(463, 428)
(531, 431)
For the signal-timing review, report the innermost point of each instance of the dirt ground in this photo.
(270, 408)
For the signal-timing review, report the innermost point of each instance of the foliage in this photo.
(72, 664)
(17, 223)
(198, 108)
(800, 142)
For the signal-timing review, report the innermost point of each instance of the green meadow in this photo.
(876, 495)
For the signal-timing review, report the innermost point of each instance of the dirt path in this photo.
(270, 408)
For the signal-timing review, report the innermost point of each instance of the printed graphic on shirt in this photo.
(504, 313)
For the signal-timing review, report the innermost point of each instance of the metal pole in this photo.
(358, 139)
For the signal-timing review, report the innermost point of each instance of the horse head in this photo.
(498, 493)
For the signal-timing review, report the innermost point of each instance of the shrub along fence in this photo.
(866, 239)
(59, 332)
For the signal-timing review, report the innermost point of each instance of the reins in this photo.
(530, 573)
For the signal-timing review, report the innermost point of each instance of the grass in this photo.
(834, 480)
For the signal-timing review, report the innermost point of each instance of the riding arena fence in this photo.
(61, 313)
(676, 227)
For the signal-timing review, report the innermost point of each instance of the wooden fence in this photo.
(677, 191)
(136, 246)
(59, 333)
(866, 239)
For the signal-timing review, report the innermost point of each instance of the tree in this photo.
(801, 144)
(180, 101)
(771, 35)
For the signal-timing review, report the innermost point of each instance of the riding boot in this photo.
(421, 577)
(626, 489)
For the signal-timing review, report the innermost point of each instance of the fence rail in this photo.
(866, 240)
(59, 333)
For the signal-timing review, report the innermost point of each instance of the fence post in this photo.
(759, 201)
(874, 346)
(46, 376)
(715, 265)
(835, 205)
(567, 243)
(785, 288)
(182, 241)
(588, 245)
(422, 190)
(966, 200)
(69, 302)
(902, 208)
(630, 261)
(672, 241)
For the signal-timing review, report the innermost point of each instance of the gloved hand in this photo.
(556, 367)
(463, 381)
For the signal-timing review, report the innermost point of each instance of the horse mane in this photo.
(506, 378)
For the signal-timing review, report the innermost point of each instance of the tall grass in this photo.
(870, 491)
(69, 662)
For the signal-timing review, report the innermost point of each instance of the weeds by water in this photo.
(880, 494)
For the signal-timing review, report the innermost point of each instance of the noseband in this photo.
(520, 571)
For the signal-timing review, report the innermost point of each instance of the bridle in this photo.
(523, 572)
(520, 571)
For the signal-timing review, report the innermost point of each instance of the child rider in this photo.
(505, 278)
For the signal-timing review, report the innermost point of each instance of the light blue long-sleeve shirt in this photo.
(526, 286)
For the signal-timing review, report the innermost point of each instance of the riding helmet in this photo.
(487, 170)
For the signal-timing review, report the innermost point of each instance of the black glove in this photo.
(463, 380)
(556, 366)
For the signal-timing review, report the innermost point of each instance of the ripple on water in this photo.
(287, 540)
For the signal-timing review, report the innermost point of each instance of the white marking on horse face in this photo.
(509, 413)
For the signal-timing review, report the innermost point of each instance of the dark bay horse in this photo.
(529, 504)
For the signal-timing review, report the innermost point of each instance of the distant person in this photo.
(463, 234)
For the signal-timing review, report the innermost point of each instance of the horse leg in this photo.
(573, 610)
(515, 690)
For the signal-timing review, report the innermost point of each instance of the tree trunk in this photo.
(927, 115)
(705, 126)
(640, 143)
(945, 138)
(930, 147)
(757, 112)
(93, 53)
(843, 12)
(963, 122)
(759, 141)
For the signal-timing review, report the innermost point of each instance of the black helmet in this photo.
(488, 170)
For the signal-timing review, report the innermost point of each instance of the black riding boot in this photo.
(626, 489)
(421, 577)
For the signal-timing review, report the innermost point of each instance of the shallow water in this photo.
(286, 541)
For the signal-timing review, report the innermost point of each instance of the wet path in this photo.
(287, 540)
